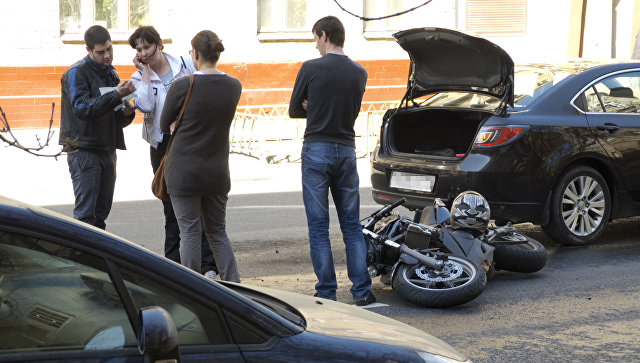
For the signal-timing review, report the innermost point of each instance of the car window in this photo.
(54, 297)
(196, 324)
(615, 94)
(532, 82)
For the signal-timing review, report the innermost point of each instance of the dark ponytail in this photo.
(208, 45)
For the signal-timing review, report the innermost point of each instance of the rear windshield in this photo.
(529, 83)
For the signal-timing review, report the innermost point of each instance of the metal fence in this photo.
(266, 131)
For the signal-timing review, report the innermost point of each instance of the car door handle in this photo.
(608, 127)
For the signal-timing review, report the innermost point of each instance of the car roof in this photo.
(14, 213)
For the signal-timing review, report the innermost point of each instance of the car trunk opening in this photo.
(434, 132)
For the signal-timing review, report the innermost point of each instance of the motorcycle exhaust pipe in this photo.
(425, 260)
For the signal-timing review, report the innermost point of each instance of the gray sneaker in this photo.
(211, 275)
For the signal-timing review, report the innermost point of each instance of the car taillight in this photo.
(497, 135)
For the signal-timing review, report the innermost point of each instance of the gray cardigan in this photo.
(198, 161)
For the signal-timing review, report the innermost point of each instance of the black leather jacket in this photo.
(87, 117)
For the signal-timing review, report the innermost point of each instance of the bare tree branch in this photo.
(8, 137)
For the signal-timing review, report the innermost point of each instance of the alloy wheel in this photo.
(583, 205)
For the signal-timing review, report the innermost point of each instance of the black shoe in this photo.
(316, 295)
(369, 299)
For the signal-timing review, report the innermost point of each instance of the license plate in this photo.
(410, 181)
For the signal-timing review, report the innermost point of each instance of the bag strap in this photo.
(184, 106)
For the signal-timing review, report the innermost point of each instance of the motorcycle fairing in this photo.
(462, 244)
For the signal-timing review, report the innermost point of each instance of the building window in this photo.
(435, 14)
(283, 20)
(116, 15)
(496, 16)
(282, 15)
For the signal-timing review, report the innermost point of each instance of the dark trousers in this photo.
(93, 174)
(171, 229)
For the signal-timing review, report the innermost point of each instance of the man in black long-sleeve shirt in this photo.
(328, 92)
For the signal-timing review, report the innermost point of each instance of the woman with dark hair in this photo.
(156, 70)
(197, 165)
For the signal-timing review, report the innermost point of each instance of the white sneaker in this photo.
(212, 275)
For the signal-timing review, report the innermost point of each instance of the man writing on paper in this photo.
(93, 115)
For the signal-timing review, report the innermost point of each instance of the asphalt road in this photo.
(250, 217)
(583, 306)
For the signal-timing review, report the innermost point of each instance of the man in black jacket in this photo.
(328, 92)
(92, 118)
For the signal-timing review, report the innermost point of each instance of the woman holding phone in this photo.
(156, 70)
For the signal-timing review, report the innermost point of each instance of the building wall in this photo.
(35, 53)
(26, 93)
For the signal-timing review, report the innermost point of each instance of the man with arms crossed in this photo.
(94, 119)
(328, 92)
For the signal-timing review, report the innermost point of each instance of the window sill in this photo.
(284, 36)
(118, 38)
(379, 34)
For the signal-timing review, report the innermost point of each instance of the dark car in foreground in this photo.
(72, 292)
(555, 145)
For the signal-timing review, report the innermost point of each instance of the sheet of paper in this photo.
(104, 90)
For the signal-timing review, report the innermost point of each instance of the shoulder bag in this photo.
(158, 185)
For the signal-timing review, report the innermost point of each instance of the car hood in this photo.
(332, 318)
(447, 60)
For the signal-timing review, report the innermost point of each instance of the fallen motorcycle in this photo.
(422, 275)
(463, 243)
(468, 220)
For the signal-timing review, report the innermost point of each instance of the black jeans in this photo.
(171, 229)
(93, 174)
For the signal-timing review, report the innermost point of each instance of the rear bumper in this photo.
(514, 212)
(514, 197)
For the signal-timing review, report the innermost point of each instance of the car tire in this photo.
(580, 207)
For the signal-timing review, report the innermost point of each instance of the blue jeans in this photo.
(332, 166)
(93, 174)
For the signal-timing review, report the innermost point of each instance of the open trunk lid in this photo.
(446, 60)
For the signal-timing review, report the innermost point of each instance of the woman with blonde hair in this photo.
(197, 165)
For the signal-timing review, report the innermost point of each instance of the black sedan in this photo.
(71, 292)
(555, 145)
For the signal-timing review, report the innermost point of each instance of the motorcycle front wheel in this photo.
(527, 256)
(459, 282)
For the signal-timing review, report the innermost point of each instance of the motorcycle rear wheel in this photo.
(527, 257)
(459, 282)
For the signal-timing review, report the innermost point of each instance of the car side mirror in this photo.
(157, 335)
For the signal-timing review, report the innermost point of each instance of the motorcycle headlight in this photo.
(433, 358)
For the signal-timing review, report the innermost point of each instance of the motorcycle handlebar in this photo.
(388, 208)
(400, 202)
(376, 216)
